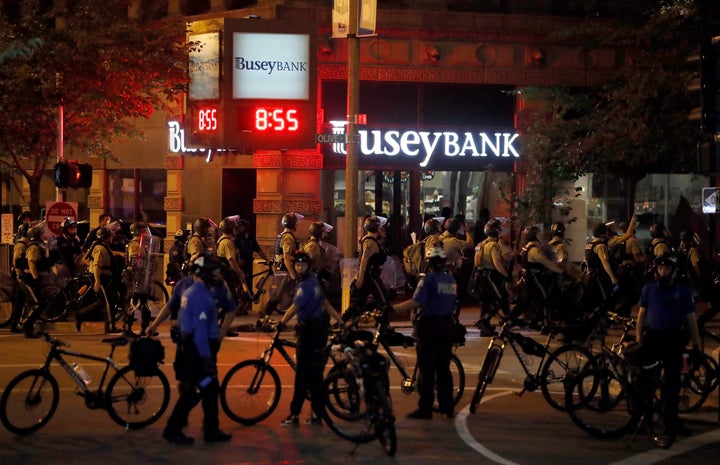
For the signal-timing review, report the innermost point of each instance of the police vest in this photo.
(591, 257)
(379, 258)
(525, 259)
(278, 251)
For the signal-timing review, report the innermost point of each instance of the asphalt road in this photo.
(507, 429)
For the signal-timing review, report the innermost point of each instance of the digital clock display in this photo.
(276, 119)
(206, 120)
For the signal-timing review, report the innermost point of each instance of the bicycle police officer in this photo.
(666, 315)
(312, 334)
(200, 339)
(435, 296)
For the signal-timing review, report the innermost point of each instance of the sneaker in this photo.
(313, 420)
(177, 438)
(292, 420)
(217, 436)
(419, 415)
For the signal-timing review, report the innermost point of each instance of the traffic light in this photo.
(705, 86)
(73, 174)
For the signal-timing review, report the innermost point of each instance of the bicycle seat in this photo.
(116, 341)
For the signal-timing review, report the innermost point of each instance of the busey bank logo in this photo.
(268, 66)
(426, 144)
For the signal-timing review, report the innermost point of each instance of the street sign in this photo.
(334, 138)
(710, 198)
(57, 212)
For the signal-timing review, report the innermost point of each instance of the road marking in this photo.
(650, 457)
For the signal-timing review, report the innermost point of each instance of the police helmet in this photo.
(201, 226)
(492, 228)
(690, 237)
(657, 231)
(244, 223)
(137, 228)
(666, 259)
(179, 234)
(372, 224)
(557, 229)
(530, 233)
(301, 257)
(35, 233)
(204, 266)
(289, 221)
(316, 229)
(103, 234)
(431, 226)
(600, 230)
(23, 230)
(67, 224)
(435, 256)
(23, 216)
(227, 226)
(452, 225)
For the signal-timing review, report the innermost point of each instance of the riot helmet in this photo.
(36, 232)
(137, 228)
(25, 215)
(201, 227)
(67, 224)
(431, 226)
(557, 229)
(316, 229)
(103, 234)
(492, 228)
(530, 234)
(658, 231)
(372, 224)
(600, 230)
(227, 226)
(23, 230)
(289, 221)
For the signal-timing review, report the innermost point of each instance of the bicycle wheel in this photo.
(135, 401)
(591, 400)
(486, 375)
(352, 424)
(6, 306)
(29, 401)
(697, 384)
(385, 418)
(157, 299)
(458, 378)
(56, 304)
(560, 367)
(250, 392)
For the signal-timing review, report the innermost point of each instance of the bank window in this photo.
(137, 194)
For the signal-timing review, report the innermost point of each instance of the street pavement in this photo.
(507, 429)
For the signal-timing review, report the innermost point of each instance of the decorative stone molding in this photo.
(290, 159)
(96, 162)
(95, 201)
(267, 206)
(277, 206)
(173, 162)
(173, 203)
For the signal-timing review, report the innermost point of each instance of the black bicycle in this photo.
(556, 366)
(358, 406)
(132, 401)
(8, 290)
(608, 401)
(250, 391)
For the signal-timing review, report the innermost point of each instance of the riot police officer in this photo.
(105, 283)
(19, 266)
(68, 245)
(601, 279)
(197, 242)
(176, 258)
(37, 262)
(491, 273)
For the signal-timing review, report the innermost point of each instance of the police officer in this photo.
(19, 266)
(200, 336)
(176, 258)
(131, 274)
(103, 222)
(666, 316)
(68, 245)
(24, 218)
(372, 258)
(228, 256)
(197, 242)
(492, 274)
(285, 245)
(432, 234)
(104, 285)
(660, 244)
(435, 297)
(247, 246)
(313, 248)
(691, 266)
(601, 276)
(559, 247)
(540, 274)
(37, 262)
(312, 332)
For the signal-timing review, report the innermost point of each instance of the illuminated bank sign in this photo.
(436, 149)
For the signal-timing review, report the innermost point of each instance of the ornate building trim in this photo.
(173, 162)
(173, 204)
(95, 202)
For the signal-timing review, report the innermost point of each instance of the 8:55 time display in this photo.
(276, 119)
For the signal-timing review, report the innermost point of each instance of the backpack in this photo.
(414, 258)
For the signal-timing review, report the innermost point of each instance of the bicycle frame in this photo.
(279, 344)
(56, 354)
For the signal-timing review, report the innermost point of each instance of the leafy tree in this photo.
(632, 125)
(104, 64)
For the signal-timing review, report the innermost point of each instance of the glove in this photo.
(209, 367)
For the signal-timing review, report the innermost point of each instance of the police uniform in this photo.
(312, 334)
(101, 257)
(371, 282)
(200, 336)
(195, 245)
(436, 295)
(600, 282)
(37, 262)
(490, 275)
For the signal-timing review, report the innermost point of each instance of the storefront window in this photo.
(137, 195)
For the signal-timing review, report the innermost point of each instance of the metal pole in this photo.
(351, 144)
(60, 193)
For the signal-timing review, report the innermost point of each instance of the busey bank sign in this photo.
(432, 147)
